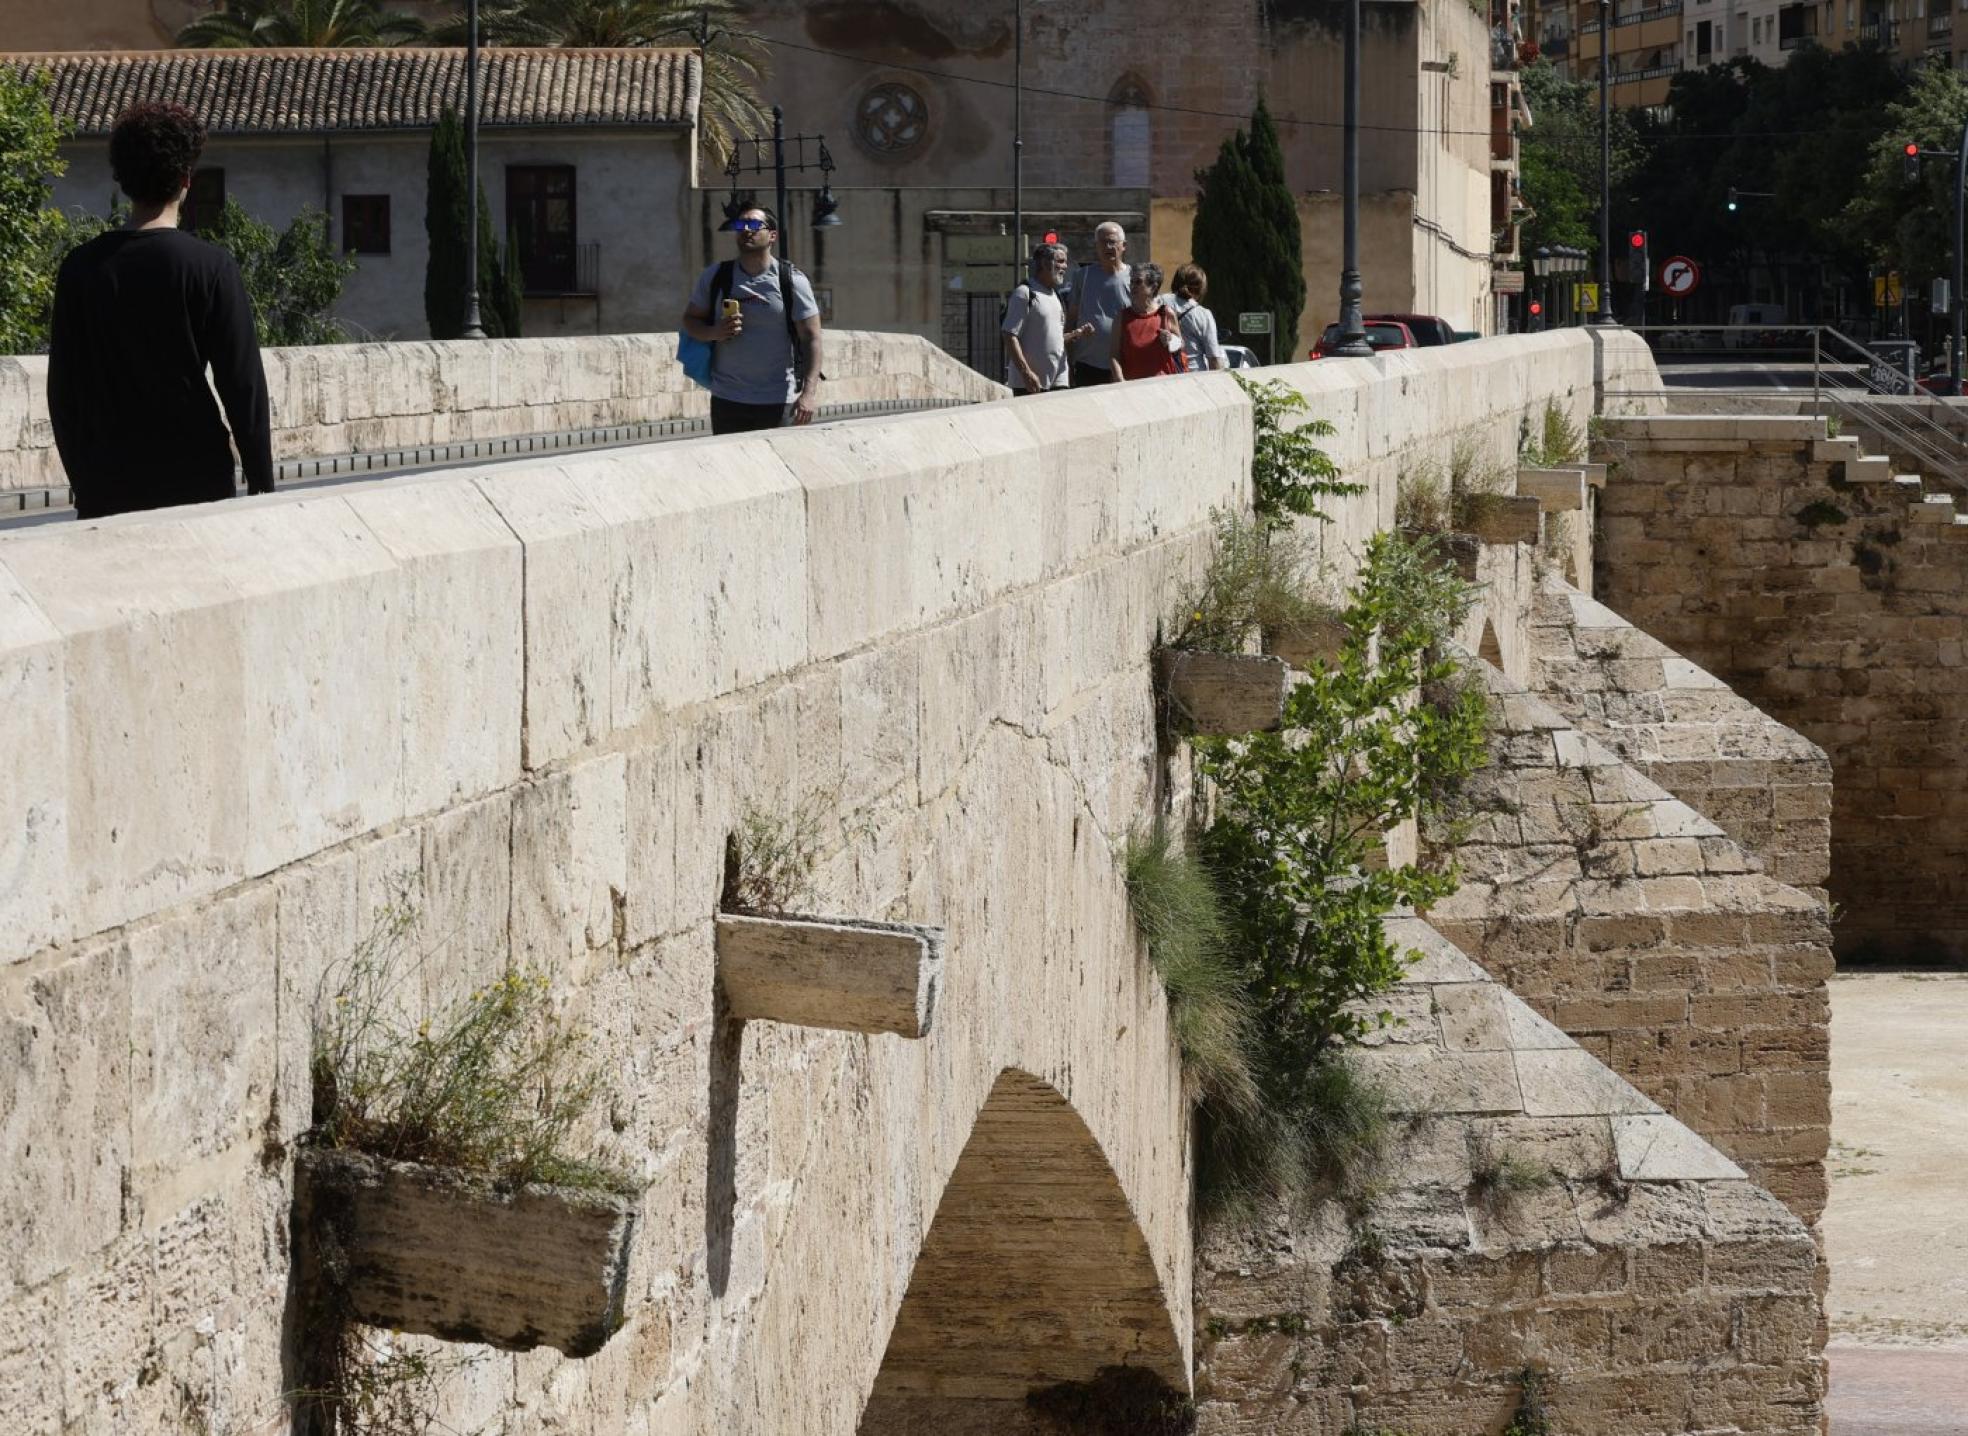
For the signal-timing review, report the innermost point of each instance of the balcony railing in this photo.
(1652, 72)
(1636, 17)
(1939, 24)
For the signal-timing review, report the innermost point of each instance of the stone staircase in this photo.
(1925, 505)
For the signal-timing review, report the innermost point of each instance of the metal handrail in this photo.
(1941, 454)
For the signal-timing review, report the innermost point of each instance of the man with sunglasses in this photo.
(764, 325)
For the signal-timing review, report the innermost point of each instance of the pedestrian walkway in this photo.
(1897, 1224)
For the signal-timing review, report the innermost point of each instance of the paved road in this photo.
(1753, 374)
(1896, 1228)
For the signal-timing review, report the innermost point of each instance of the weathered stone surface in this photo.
(1225, 694)
(424, 1250)
(1610, 1251)
(830, 972)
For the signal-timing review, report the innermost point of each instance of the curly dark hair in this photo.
(153, 150)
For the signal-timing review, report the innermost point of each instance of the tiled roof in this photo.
(305, 92)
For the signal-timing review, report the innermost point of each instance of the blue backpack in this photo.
(698, 356)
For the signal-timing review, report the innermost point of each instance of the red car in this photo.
(1382, 335)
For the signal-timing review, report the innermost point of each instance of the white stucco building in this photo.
(585, 157)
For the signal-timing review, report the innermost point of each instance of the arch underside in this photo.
(1034, 1272)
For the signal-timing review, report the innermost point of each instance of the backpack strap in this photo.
(793, 335)
(720, 291)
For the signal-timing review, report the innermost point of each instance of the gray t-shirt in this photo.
(1036, 316)
(757, 366)
(1199, 339)
(1101, 296)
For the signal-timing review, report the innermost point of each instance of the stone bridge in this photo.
(530, 704)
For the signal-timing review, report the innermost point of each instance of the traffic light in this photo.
(1536, 308)
(1636, 253)
(1911, 161)
(1732, 199)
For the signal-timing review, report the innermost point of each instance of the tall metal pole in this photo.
(1954, 296)
(779, 174)
(474, 328)
(1352, 330)
(1605, 311)
(1017, 138)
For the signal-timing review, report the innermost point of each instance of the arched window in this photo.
(1130, 133)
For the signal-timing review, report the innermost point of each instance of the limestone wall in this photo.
(356, 398)
(1834, 596)
(1643, 931)
(1767, 787)
(1414, 406)
(1535, 1213)
(533, 701)
(537, 700)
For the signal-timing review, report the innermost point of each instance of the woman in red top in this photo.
(1146, 341)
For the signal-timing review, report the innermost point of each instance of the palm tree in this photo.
(299, 24)
(734, 63)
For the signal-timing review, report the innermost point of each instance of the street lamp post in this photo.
(1605, 311)
(1352, 329)
(825, 206)
(1954, 296)
(474, 327)
(1017, 135)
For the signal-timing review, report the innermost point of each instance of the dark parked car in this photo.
(1382, 334)
(1428, 329)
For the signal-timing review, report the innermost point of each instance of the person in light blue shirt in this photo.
(760, 315)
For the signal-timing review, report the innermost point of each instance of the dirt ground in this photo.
(1897, 1226)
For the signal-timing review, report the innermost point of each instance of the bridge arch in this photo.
(1034, 1271)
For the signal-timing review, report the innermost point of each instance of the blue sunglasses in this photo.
(749, 226)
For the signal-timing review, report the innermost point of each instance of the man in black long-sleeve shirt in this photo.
(139, 314)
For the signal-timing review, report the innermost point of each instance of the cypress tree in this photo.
(1246, 235)
(445, 220)
(444, 225)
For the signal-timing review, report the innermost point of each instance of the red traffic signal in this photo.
(1052, 236)
(1913, 149)
(1637, 239)
(1536, 309)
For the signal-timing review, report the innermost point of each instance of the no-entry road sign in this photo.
(1680, 275)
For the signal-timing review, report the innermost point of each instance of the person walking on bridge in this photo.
(762, 322)
(140, 313)
(1099, 295)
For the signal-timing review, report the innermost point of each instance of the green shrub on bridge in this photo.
(1293, 859)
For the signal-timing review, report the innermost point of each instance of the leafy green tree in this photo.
(1386, 732)
(33, 235)
(734, 57)
(1558, 158)
(293, 276)
(445, 221)
(299, 24)
(1905, 225)
(1246, 235)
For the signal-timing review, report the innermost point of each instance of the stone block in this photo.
(570, 866)
(203, 1050)
(34, 857)
(1556, 490)
(826, 972)
(709, 588)
(458, 646)
(450, 1255)
(1655, 1148)
(1506, 518)
(1573, 1083)
(64, 1109)
(1222, 694)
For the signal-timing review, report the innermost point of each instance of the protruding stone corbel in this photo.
(1309, 644)
(1222, 694)
(839, 973)
(1506, 518)
(448, 1254)
(1557, 489)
